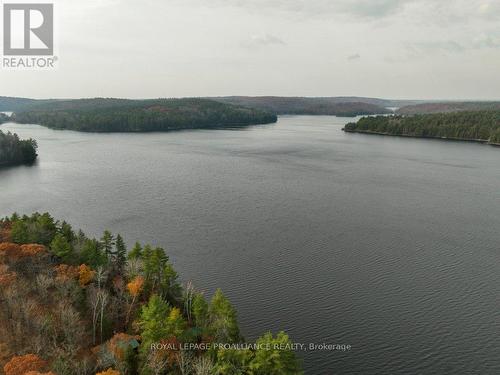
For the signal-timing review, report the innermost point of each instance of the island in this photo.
(71, 304)
(123, 115)
(476, 126)
(15, 151)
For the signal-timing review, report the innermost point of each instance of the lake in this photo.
(390, 245)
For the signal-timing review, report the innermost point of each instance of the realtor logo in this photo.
(28, 36)
(28, 29)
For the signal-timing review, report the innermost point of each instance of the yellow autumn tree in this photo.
(134, 288)
(85, 274)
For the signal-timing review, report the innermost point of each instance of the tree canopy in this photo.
(119, 115)
(478, 126)
(77, 305)
(15, 151)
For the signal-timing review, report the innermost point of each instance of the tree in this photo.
(153, 321)
(175, 322)
(67, 231)
(135, 288)
(274, 356)
(20, 365)
(19, 232)
(61, 247)
(92, 254)
(136, 252)
(223, 319)
(169, 286)
(233, 361)
(121, 252)
(200, 311)
(107, 241)
(86, 275)
(109, 371)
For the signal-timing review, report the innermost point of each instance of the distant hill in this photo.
(341, 106)
(123, 115)
(14, 104)
(447, 107)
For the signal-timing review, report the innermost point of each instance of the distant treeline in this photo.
(476, 126)
(344, 107)
(120, 115)
(14, 151)
(447, 107)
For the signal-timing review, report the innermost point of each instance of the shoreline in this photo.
(482, 141)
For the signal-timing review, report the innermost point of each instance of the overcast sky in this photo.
(428, 49)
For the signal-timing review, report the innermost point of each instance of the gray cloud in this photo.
(157, 48)
(361, 8)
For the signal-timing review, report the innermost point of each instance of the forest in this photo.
(15, 151)
(447, 107)
(469, 126)
(74, 305)
(334, 106)
(121, 115)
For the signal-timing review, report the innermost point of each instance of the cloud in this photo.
(360, 8)
(263, 40)
(354, 57)
(371, 8)
(435, 46)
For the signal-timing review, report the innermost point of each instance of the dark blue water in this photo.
(390, 245)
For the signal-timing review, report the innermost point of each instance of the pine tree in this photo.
(121, 252)
(61, 247)
(136, 252)
(108, 242)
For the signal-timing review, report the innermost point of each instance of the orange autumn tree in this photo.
(39, 373)
(20, 365)
(86, 274)
(66, 272)
(32, 249)
(134, 287)
(9, 251)
(119, 343)
(109, 371)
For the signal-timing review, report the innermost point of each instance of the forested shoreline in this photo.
(480, 126)
(121, 115)
(75, 305)
(15, 151)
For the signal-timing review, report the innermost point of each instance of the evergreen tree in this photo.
(136, 252)
(153, 320)
(92, 254)
(108, 242)
(121, 252)
(223, 319)
(274, 356)
(61, 248)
